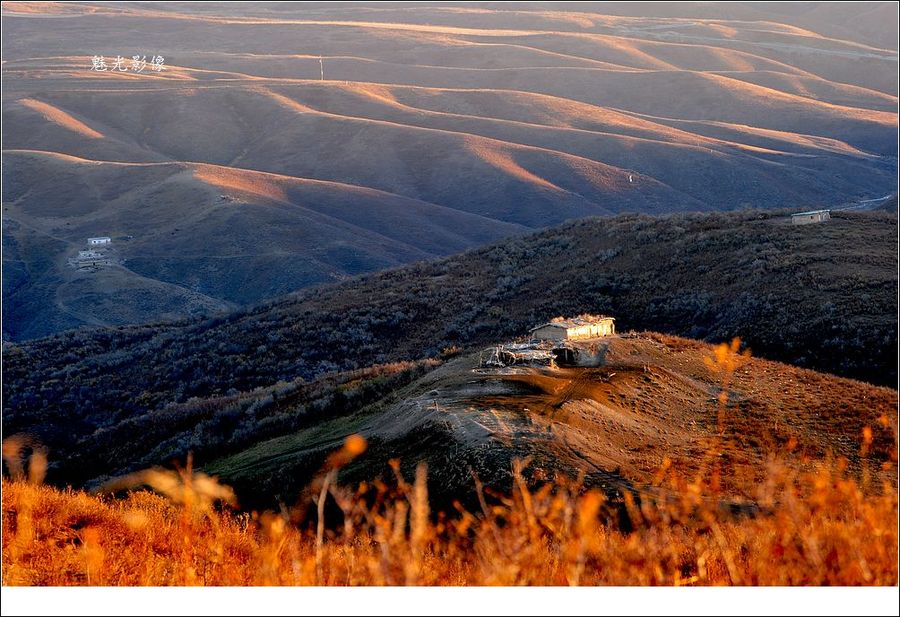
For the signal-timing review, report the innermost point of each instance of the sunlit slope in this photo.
(653, 399)
(507, 181)
(724, 38)
(527, 158)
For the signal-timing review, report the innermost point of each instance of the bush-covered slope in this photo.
(820, 296)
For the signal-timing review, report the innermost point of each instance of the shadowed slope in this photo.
(223, 234)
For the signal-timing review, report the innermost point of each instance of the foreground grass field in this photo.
(818, 528)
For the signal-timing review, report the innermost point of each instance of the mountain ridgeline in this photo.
(818, 296)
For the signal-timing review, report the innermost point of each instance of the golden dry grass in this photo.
(812, 523)
(820, 528)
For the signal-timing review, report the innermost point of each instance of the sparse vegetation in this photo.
(147, 395)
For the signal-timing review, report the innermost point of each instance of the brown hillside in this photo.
(821, 296)
(653, 401)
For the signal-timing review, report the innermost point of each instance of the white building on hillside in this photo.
(100, 241)
(813, 216)
(583, 326)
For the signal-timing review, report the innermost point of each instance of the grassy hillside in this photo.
(700, 465)
(655, 398)
(820, 296)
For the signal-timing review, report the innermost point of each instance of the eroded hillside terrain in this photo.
(653, 402)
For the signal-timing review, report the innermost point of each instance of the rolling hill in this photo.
(653, 399)
(820, 296)
(246, 236)
(288, 146)
(283, 275)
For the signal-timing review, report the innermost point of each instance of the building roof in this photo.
(574, 322)
(810, 212)
(548, 324)
(100, 238)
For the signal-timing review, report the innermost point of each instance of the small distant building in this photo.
(813, 216)
(90, 262)
(581, 327)
(94, 257)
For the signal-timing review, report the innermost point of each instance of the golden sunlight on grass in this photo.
(61, 118)
(819, 528)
